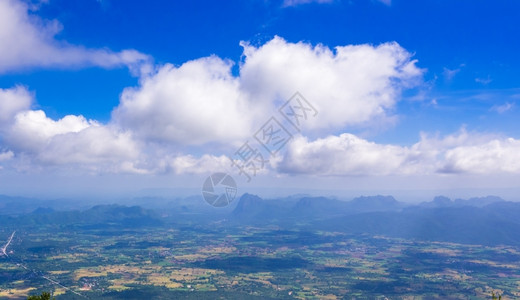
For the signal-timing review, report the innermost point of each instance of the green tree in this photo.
(43, 296)
(494, 297)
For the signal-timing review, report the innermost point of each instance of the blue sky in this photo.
(419, 93)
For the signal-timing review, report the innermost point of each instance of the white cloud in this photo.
(32, 129)
(202, 102)
(449, 74)
(92, 145)
(12, 101)
(71, 142)
(28, 42)
(7, 155)
(287, 3)
(494, 156)
(351, 85)
(503, 108)
(75, 143)
(196, 103)
(38, 140)
(188, 164)
(348, 155)
(484, 81)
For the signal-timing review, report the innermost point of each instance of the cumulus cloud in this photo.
(32, 129)
(28, 42)
(202, 102)
(348, 155)
(349, 85)
(196, 103)
(72, 140)
(188, 164)
(12, 101)
(494, 156)
(91, 145)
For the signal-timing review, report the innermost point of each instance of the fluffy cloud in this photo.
(92, 145)
(348, 86)
(188, 164)
(494, 156)
(202, 102)
(38, 140)
(196, 103)
(32, 129)
(28, 41)
(348, 155)
(13, 101)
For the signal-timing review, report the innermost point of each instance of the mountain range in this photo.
(485, 221)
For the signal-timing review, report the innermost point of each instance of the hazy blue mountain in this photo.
(102, 215)
(23, 205)
(442, 201)
(479, 201)
(463, 221)
(488, 220)
(438, 201)
(319, 207)
(375, 203)
(250, 207)
(491, 225)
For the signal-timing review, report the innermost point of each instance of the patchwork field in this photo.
(250, 262)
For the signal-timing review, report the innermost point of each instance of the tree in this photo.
(43, 296)
(494, 297)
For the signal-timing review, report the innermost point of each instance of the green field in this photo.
(211, 261)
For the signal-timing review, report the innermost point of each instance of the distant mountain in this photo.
(21, 205)
(439, 201)
(442, 201)
(319, 207)
(494, 224)
(479, 201)
(251, 208)
(487, 220)
(43, 210)
(375, 203)
(102, 215)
